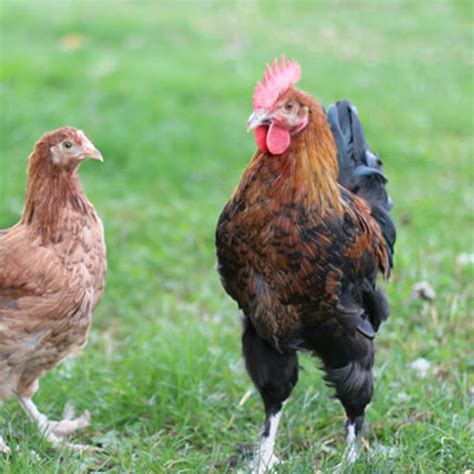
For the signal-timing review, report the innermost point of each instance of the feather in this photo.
(360, 170)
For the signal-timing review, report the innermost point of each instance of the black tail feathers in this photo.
(360, 170)
(375, 304)
(353, 383)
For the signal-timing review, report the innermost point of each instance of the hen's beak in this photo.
(91, 152)
(258, 117)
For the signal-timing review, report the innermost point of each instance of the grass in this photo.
(164, 91)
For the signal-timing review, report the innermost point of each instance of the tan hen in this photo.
(52, 273)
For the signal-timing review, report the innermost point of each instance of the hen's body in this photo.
(300, 254)
(47, 294)
(52, 275)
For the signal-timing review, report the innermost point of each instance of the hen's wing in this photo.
(36, 282)
(36, 293)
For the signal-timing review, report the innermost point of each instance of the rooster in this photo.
(299, 246)
(52, 273)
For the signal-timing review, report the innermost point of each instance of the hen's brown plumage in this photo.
(53, 266)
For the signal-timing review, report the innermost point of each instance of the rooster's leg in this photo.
(56, 431)
(353, 428)
(353, 380)
(275, 374)
(265, 458)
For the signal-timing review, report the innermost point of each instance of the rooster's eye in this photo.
(67, 145)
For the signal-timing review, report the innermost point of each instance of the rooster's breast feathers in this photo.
(286, 265)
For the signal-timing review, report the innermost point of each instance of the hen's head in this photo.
(279, 110)
(63, 149)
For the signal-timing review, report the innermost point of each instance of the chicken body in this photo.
(47, 297)
(293, 271)
(300, 254)
(52, 274)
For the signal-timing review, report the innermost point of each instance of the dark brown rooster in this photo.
(299, 246)
(52, 272)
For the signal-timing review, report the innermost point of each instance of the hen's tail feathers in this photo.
(360, 170)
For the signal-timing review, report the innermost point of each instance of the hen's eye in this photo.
(289, 106)
(67, 145)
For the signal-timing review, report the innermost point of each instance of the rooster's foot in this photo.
(262, 466)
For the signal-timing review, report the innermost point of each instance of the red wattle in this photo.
(278, 139)
(260, 134)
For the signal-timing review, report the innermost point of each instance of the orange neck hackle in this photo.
(307, 172)
(314, 155)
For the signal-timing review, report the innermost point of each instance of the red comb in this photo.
(275, 81)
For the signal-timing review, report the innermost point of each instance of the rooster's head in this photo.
(279, 110)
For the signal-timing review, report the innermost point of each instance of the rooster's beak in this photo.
(258, 117)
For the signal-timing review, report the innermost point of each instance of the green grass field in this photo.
(164, 91)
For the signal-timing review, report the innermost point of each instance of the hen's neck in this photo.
(50, 194)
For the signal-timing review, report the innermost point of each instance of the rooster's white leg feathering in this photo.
(351, 452)
(265, 460)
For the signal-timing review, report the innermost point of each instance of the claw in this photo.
(69, 412)
(58, 442)
(62, 429)
(57, 431)
(82, 448)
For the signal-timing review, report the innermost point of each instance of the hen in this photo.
(52, 275)
(299, 246)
